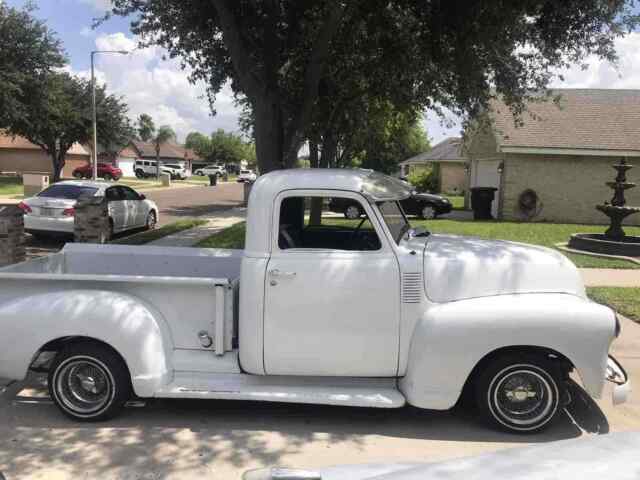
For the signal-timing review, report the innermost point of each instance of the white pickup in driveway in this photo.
(369, 314)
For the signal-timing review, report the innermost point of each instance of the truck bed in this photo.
(192, 289)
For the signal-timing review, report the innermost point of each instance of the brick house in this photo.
(553, 168)
(170, 153)
(19, 155)
(449, 156)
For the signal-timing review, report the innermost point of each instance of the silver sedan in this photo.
(52, 211)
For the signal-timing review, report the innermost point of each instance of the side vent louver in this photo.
(411, 287)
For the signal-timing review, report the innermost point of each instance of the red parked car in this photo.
(105, 170)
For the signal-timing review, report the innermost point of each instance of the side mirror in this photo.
(142, 196)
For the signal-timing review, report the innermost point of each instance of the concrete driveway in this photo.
(219, 440)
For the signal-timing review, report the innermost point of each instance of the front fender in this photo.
(451, 338)
(126, 323)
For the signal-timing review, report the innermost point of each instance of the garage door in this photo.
(126, 165)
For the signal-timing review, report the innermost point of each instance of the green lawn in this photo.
(10, 186)
(151, 235)
(624, 300)
(205, 179)
(546, 234)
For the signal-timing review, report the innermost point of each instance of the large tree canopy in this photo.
(440, 53)
(28, 52)
(58, 114)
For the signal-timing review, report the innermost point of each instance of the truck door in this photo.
(332, 296)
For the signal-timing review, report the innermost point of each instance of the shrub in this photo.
(426, 180)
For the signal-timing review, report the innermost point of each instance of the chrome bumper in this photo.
(618, 376)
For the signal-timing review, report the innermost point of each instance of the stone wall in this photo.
(11, 235)
(568, 187)
(91, 223)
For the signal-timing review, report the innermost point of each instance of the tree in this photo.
(165, 134)
(146, 128)
(454, 54)
(29, 52)
(199, 143)
(58, 114)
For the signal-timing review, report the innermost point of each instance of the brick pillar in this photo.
(91, 223)
(11, 235)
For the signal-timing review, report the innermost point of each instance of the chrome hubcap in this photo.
(84, 386)
(353, 212)
(151, 221)
(427, 212)
(523, 397)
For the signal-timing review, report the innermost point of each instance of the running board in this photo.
(353, 392)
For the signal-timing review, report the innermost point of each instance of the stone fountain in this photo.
(613, 241)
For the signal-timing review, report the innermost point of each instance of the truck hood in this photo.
(458, 267)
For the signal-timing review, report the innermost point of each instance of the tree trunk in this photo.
(269, 133)
(158, 163)
(58, 162)
(315, 217)
(329, 150)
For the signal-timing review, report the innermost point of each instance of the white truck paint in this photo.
(414, 320)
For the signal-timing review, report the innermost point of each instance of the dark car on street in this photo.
(423, 205)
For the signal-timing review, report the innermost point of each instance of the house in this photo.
(19, 155)
(554, 166)
(451, 160)
(170, 153)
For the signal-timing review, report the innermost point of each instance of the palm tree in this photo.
(164, 134)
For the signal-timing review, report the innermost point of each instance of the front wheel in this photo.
(140, 174)
(151, 220)
(428, 212)
(108, 177)
(89, 382)
(519, 394)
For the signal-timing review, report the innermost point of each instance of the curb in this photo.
(564, 248)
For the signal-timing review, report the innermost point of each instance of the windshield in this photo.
(394, 217)
(70, 192)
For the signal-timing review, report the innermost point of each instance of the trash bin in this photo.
(481, 200)
(213, 180)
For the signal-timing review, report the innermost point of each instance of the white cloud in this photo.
(99, 5)
(87, 32)
(159, 87)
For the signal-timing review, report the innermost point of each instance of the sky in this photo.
(161, 88)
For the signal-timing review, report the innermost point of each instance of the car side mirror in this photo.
(142, 197)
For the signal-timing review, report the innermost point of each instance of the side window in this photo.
(323, 223)
(113, 194)
(129, 194)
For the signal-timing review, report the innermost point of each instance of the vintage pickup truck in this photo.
(316, 309)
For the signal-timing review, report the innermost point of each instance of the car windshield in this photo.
(70, 192)
(395, 219)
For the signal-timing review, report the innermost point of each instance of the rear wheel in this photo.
(139, 174)
(519, 394)
(89, 382)
(78, 175)
(108, 177)
(428, 212)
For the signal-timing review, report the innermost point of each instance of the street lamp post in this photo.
(93, 108)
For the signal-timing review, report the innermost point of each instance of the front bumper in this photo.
(618, 376)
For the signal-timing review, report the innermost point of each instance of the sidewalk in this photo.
(610, 277)
(189, 238)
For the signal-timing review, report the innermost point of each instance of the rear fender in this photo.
(126, 323)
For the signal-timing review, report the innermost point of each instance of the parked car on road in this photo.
(105, 170)
(147, 168)
(377, 314)
(423, 205)
(217, 170)
(246, 176)
(52, 210)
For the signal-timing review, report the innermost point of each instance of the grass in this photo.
(232, 237)
(198, 179)
(457, 201)
(622, 299)
(10, 186)
(151, 235)
(545, 234)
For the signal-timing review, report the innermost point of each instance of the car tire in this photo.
(108, 177)
(352, 212)
(78, 175)
(428, 212)
(519, 393)
(140, 174)
(152, 220)
(89, 382)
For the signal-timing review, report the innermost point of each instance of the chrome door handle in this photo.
(279, 273)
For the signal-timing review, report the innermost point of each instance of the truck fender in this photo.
(452, 338)
(126, 323)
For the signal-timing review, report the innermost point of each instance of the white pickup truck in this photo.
(316, 309)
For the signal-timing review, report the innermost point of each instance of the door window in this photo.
(321, 223)
(114, 194)
(129, 194)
